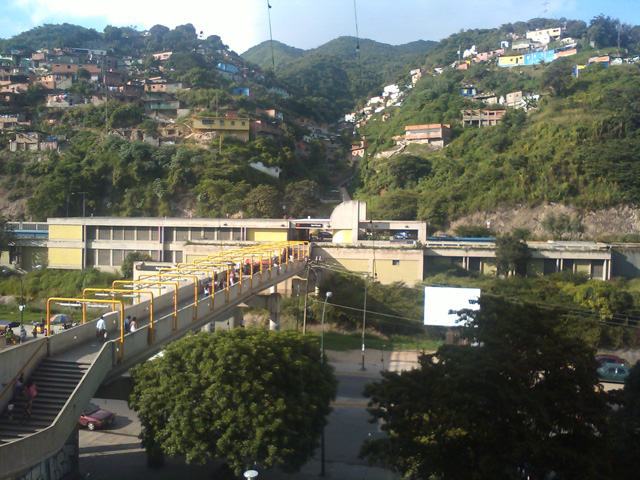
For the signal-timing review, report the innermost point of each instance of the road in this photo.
(116, 452)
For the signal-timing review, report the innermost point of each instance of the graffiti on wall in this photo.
(55, 467)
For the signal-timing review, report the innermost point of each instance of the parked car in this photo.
(400, 236)
(602, 359)
(95, 417)
(613, 372)
(322, 236)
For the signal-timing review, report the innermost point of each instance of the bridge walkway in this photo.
(70, 366)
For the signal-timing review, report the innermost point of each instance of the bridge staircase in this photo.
(55, 381)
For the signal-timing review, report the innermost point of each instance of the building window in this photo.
(395, 262)
(221, 122)
(104, 233)
(117, 258)
(104, 257)
(243, 124)
(233, 122)
(182, 234)
(129, 233)
(143, 233)
(118, 233)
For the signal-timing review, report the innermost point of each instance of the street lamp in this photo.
(364, 319)
(324, 306)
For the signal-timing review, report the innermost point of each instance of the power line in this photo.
(273, 58)
(615, 319)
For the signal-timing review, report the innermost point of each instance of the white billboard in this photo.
(442, 304)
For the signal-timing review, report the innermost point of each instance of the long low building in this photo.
(349, 240)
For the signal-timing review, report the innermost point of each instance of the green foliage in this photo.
(245, 396)
(45, 283)
(473, 231)
(562, 223)
(512, 254)
(127, 264)
(51, 36)
(524, 402)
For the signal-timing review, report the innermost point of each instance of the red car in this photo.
(95, 417)
(603, 359)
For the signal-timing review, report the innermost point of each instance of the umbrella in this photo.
(60, 318)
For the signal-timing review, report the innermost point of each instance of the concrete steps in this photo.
(55, 381)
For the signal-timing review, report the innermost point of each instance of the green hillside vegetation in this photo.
(577, 147)
(329, 80)
(260, 54)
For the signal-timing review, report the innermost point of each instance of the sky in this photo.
(305, 23)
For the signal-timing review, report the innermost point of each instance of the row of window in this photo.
(221, 122)
(104, 257)
(171, 234)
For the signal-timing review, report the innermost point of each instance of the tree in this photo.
(246, 396)
(7, 236)
(301, 198)
(512, 254)
(127, 263)
(522, 401)
(625, 426)
(263, 202)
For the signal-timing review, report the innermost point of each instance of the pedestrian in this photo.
(206, 290)
(127, 324)
(23, 334)
(19, 386)
(101, 329)
(34, 332)
(9, 335)
(30, 393)
(134, 325)
(10, 413)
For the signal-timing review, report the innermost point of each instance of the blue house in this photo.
(227, 67)
(241, 91)
(534, 58)
(467, 91)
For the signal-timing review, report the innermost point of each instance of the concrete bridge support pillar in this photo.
(274, 311)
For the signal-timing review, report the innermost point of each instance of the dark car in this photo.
(613, 372)
(95, 417)
(603, 359)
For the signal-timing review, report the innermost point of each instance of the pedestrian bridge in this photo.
(68, 367)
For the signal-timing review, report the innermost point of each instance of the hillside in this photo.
(334, 77)
(576, 145)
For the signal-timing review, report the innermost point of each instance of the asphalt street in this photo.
(115, 453)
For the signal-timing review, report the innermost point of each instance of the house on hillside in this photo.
(487, 98)
(12, 120)
(468, 91)
(235, 127)
(544, 36)
(511, 60)
(437, 135)
(533, 58)
(481, 118)
(416, 75)
(33, 142)
(520, 99)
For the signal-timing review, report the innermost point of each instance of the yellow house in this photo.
(236, 127)
(511, 61)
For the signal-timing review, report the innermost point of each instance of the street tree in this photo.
(519, 400)
(130, 259)
(512, 254)
(249, 396)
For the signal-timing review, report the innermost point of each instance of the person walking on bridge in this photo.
(101, 328)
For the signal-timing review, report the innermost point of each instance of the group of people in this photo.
(21, 391)
(130, 324)
(11, 337)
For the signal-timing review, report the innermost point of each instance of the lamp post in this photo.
(328, 295)
(306, 297)
(21, 306)
(364, 319)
